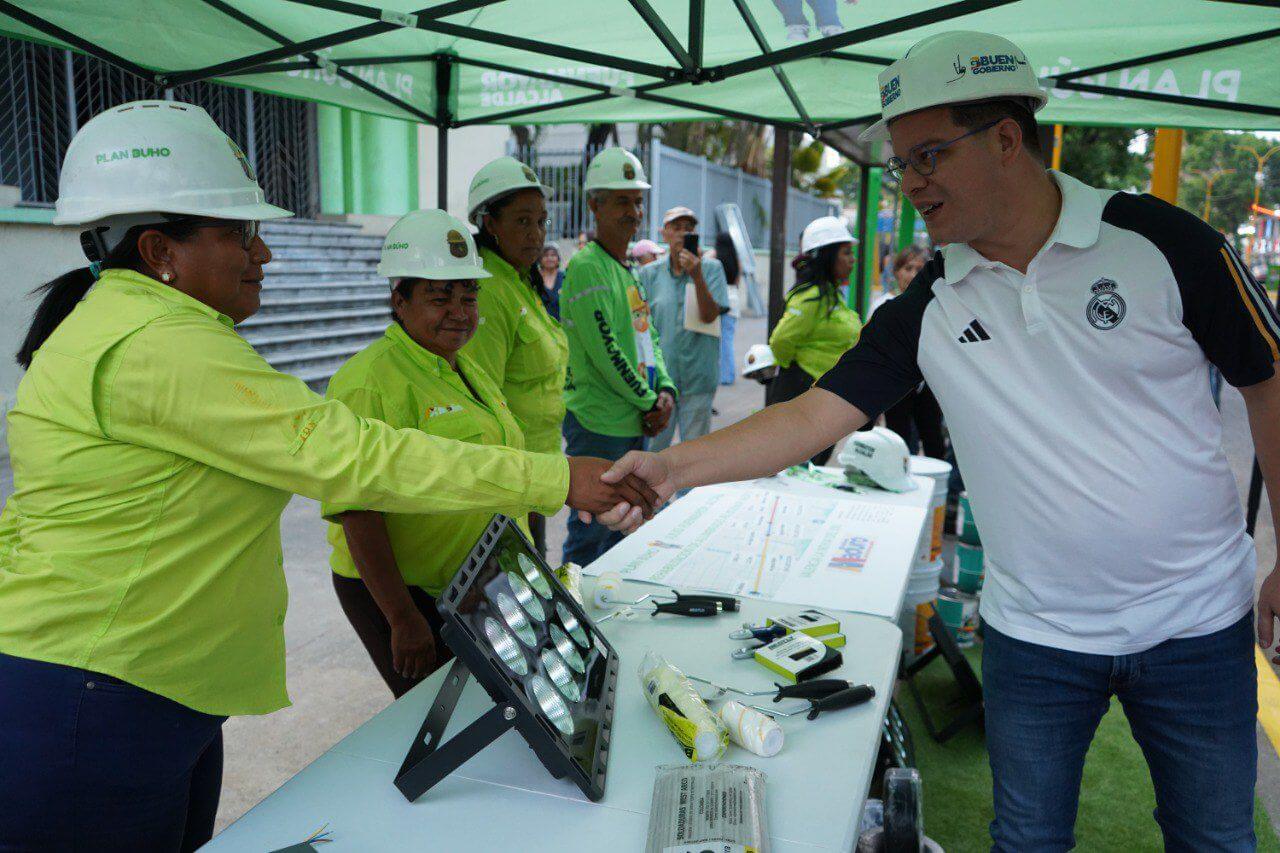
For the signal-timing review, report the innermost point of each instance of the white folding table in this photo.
(504, 799)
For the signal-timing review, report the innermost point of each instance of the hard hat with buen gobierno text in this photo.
(825, 231)
(615, 169)
(432, 245)
(498, 178)
(954, 68)
(880, 456)
(759, 363)
(157, 157)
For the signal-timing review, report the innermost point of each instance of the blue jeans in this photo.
(728, 360)
(824, 12)
(88, 762)
(1191, 705)
(692, 414)
(585, 542)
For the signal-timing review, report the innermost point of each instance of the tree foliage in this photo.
(1207, 153)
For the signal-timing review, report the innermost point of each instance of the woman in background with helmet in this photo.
(518, 342)
(389, 568)
(816, 326)
(142, 595)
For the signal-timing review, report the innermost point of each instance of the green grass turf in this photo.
(1116, 800)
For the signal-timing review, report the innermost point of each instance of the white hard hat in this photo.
(759, 363)
(954, 68)
(615, 169)
(880, 455)
(498, 178)
(144, 158)
(824, 231)
(430, 244)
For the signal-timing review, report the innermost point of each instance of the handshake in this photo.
(621, 495)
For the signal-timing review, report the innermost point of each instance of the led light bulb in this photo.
(516, 620)
(505, 646)
(554, 667)
(552, 705)
(572, 625)
(567, 650)
(524, 595)
(534, 576)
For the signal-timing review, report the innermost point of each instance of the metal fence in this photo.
(678, 178)
(46, 94)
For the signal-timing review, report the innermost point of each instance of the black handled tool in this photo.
(846, 698)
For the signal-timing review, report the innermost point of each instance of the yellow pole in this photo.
(1257, 190)
(1209, 179)
(1057, 146)
(1167, 164)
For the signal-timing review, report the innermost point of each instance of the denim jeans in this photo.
(728, 360)
(824, 12)
(585, 542)
(692, 414)
(88, 762)
(1191, 705)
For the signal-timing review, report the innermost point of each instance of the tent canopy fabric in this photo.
(1182, 63)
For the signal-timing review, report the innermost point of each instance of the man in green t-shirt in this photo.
(617, 390)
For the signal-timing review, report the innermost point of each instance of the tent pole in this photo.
(868, 221)
(778, 221)
(1167, 164)
(444, 74)
(906, 222)
(1057, 147)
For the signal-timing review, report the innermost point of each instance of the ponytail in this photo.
(64, 293)
(60, 296)
(813, 270)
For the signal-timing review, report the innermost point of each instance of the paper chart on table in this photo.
(843, 553)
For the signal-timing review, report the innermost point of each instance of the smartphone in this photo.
(691, 243)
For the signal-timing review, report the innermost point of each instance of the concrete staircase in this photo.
(322, 300)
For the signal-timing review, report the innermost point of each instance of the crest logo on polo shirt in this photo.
(1106, 309)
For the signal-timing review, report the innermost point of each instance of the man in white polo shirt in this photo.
(1066, 332)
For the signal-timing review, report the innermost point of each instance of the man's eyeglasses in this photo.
(924, 161)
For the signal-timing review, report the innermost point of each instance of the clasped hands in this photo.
(621, 495)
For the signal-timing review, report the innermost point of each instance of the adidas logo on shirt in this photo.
(974, 332)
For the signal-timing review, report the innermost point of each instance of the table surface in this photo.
(896, 577)
(504, 799)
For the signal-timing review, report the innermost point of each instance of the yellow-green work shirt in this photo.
(153, 451)
(813, 333)
(524, 349)
(401, 384)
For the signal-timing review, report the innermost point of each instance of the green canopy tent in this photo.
(1181, 63)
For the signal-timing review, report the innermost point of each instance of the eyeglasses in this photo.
(247, 229)
(924, 161)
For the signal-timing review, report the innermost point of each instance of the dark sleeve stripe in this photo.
(1255, 300)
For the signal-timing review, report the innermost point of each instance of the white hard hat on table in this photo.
(759, 363)
(133, 163)
(432, 245)
(824, 231)
(880, 455)
(615, 169)
(498, 178)
(954, 68)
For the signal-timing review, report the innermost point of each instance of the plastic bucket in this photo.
(959, 611)
(930, 547)
(970, 569)
(966, 528)
(917, 607)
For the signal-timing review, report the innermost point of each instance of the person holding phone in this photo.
(687, 295)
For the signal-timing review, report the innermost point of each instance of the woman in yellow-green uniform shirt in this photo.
(518, 342)
(816, 326)
(142, 596)
(389, 568)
